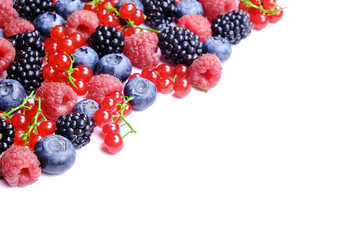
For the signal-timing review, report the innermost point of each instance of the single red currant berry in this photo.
(109, 20)
(130, 31)
(127, 109)
(46, 128)
(19, 133)
(66, 45)
(181, 70)
(109, 103)
(127, 10)
(80, 87)
(118, 96)
(61, 77)
(243, 6)
(102, 117)
(51, 58)
(259, 20)
(34, 139)
(90, 7)
(19, 120)
(165, 70)
(50, 45)
(111, 128)
(138, 18)
(58, 32)
(49, 73)
(30, 113)
(62, 62)
(164, 85)
(113, 143)
(269, 4)
(77, 39)
(182, 87)
(83, 72)
(150, 74)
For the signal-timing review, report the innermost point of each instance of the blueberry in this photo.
(142, 90)
(87, 106)
(86, 56)
(55, 153)
(186, 7)
(12, 94)
(219, 46)
(138, 4)
(116, 64)
(45, 22)
(1, 33)
(66, 7)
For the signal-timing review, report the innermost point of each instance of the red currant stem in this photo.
(260, 7)
(198, 87)
(135, 26)
(70, 71)
(22, 105)
(33, 123)
(121, 115)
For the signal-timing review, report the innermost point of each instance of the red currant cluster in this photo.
(262, 12)
(110, 16)
(110, 117)
(59, 68)
(30, 124)
(168, 79)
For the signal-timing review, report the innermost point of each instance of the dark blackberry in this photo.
(106, 40)
(7, 135)
(30, 9)
(179, 45)
(159, 12)
(77, 127)
(27, 69)
(28, 40)
(233, 26)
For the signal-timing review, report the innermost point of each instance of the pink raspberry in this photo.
(84, 22)
(206, 71)
(141, 49)
(57, 99)
(7, 54)
(19, 166)
(198, 24)
(7, 13)
(8, 2)
(102, 85)
(212, 8)
(17, 25)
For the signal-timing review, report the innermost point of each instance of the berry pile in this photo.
(73, 66)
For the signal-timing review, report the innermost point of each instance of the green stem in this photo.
(121, 116)
(200, 88)
(260, 7)
(70, 71)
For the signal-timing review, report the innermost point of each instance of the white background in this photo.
(271, 153)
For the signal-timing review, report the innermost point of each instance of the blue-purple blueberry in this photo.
(143, 92)
(66, 7)
(187, 7)
(88, 107)
(86, 56)
(45, 22)
(116, 64)
(219, 46)
(12, 94)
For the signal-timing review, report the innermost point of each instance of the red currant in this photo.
(274, 18)
(19, 133)
(181, 70)
(149, 74)
(164, 85)
(77, 39)
(138, 18)
(182, 87)
(102, 117)
(58, 32)
(62, 62)
(118, 96)
(109, 103)
(165, 70)
(46, 128)
(19, 120)
(66, 45)
(111, 128)
(113, 143)
(127, 10)
(134, 75)
(50, 45)
(109, 20)
(269, 4)
(81, 87)
(82, 72)
(259, 20)
(90, 7)
(49, 73)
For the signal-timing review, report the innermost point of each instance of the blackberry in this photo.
(106, 40)
(27, 69)
(159, 12)
(7, 135)
(30, 9)
(179, 45)
(28, 40)
(234, 26)
(77, 127)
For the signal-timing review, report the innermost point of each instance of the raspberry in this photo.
(8, 2)
(141, 49)
(57, 99)
(7, 13)
(84, 22)
(212, 8)
(205, 71)
(16, 26)
(7, 54)
(19, 166)
(198, 24)
(102, 85)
